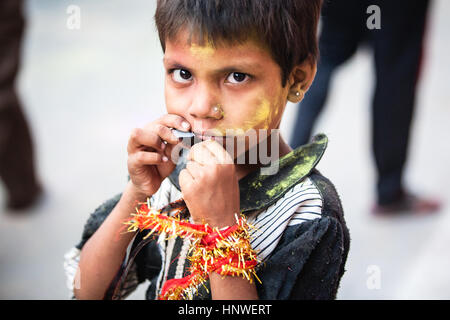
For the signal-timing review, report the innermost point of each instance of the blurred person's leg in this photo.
(342, 30)
(16, 152)
(398, 49)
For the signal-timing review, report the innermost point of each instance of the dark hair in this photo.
(287, 27)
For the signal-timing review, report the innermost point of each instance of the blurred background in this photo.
(84, 89)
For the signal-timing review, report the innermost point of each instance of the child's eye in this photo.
(181, 75)
(237, 77)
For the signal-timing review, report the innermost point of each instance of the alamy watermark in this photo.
(73, 21)
(373, 281)
(374, 20)
(254, 146)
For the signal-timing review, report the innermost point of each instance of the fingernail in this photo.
(185, 125)
(165, 159)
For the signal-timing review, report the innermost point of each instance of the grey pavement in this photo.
(85, 89)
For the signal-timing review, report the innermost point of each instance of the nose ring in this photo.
(218, 110)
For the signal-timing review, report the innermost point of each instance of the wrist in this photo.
(130, 199)
(223, 253)
(133, 193)
(220, 222)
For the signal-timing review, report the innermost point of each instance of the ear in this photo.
(300, 79)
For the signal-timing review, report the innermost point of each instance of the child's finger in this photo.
(164, 133)
(140, 137)
(174, 121)
(141, 158)
(194, 169)
(201, 154)
(185, 179)
(220, 154)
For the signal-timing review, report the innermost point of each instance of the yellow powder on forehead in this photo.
(202, 50)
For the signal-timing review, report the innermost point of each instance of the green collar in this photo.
(259, 191)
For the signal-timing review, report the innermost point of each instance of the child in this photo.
(231, 65)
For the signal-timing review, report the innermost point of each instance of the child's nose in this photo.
(203, 103)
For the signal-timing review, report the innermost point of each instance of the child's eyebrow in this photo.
(245, 66)
(172, 63)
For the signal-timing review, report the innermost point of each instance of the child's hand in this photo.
(148, 157)
(210, 186)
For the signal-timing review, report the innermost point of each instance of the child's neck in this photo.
(244, 169)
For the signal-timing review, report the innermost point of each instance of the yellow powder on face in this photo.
(202, 51)
(261, 118)
(279, 109)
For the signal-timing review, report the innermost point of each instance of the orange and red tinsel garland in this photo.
(226, 251)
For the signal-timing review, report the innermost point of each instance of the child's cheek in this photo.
(175, 102)
(260, 116)
(278, 107)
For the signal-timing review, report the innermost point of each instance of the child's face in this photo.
(243, 79)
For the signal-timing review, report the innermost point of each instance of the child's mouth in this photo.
(195, 137)
(188, 134)
(204, 137)
(182, 134)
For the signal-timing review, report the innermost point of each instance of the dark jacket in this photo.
(307, 263)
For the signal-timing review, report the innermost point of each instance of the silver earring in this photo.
(297, 94)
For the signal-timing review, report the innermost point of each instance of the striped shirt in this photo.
(301, 203)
